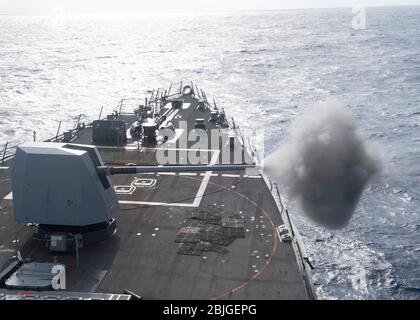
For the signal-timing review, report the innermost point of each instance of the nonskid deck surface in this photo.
(180, 235)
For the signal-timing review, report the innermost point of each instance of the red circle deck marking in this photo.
(273, 248)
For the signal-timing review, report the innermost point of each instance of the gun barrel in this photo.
(109, 170)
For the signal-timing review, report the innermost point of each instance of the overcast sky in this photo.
(165, 6)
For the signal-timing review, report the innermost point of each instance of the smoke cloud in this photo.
(325, 164)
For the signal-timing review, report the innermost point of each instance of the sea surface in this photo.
(264, 68)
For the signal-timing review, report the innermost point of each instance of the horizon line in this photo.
(209, 12)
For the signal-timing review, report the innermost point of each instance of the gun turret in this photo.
(65, 189)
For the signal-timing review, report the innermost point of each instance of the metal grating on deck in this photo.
(209, 230)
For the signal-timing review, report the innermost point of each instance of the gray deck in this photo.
(143, 256)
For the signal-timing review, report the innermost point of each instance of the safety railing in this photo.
(7, 151)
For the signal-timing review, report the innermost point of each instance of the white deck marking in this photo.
(143, 183)
(211, 175)
(206, 180)
(206, 177)
(9, 196)
(198, 197)
(158, 203)
(231, 175)
(167, 173)
(124, 189)
(4, 168)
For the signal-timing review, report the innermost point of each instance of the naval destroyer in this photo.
(93, 213)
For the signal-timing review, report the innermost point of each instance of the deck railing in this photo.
(7, 151)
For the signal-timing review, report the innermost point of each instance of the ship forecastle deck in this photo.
(179, 235)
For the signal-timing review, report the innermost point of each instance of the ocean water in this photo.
(264, 68)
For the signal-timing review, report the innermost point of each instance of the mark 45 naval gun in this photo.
(65, 189)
